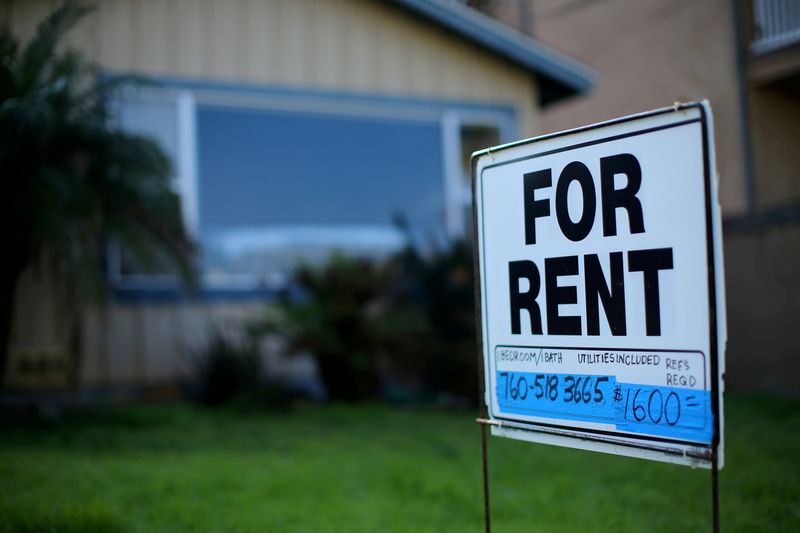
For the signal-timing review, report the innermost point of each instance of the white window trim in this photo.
(458, 192)
(187, 180)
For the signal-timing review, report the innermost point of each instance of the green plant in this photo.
(440, 286)
(407, 323)
(346, 318)
(71, 179)
(227, 369)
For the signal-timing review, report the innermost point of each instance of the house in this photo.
(296, 127)
(744, 56)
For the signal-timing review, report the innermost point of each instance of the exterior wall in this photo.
(515, 13)
(761, 276)
(39, 356)
(360, 46)
(775, 126)
(356, 46)
(647, 54)
(154, 343)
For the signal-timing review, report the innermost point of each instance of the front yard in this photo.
(373, 468)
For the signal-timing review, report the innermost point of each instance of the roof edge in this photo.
(562, 76)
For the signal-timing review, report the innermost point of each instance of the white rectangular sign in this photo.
(602, 293)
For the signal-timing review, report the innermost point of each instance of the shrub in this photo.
(344, 315)
(408, 321)
(226, 370)
(440, 286)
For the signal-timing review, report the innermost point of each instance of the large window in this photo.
(268, 182)
(282, 187)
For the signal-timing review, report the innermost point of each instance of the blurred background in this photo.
(264, 206)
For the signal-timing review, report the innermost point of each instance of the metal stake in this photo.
(486, 511)
(714, 490)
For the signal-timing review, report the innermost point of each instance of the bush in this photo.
(345, 315)
(408, 322)
(440, 286)
(226, 370)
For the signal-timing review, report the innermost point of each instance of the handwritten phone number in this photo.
(574, 389)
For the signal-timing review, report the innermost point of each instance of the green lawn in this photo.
(374, 468)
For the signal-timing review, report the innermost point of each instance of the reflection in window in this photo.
(282, 188)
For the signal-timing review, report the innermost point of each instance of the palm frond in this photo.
(39, 51)
(70, 176)
(8, 54)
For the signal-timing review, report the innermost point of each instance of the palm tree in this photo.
(70, 178)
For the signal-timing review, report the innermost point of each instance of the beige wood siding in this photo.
(344, 45)
(155, 343)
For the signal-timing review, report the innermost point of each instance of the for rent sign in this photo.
(601, 285)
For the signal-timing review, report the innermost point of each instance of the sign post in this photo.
(599, 269)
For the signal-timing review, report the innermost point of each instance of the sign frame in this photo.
(644, 446)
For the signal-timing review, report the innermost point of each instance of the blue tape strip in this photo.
(665, 412)
(557, 395)
(670, 412)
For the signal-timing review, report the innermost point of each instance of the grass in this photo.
(373, 468)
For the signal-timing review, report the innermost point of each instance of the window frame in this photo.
(188, 95)
(458, 187)
(184, 180)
